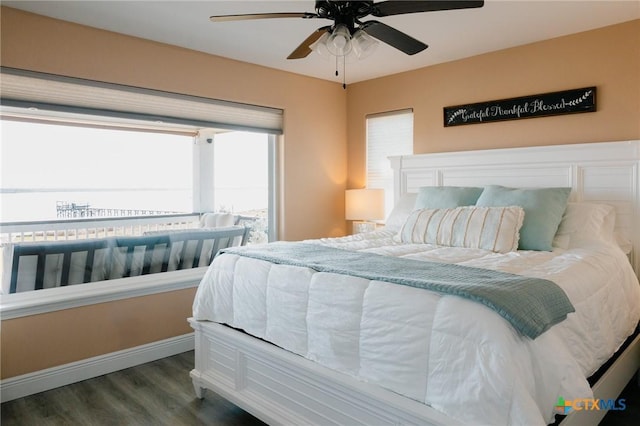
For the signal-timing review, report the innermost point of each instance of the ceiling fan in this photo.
(347, 29)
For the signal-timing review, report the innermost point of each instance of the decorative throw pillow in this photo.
(446, 197)
(543, 209)
(490, 228)
(584, 222)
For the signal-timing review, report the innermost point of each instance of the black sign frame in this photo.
(543, 105)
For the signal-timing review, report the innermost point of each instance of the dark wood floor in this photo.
(156, 393)
(161, 393)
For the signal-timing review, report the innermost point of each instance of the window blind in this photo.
(388, 134)
(28, 90)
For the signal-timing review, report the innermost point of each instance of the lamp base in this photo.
(360, 227)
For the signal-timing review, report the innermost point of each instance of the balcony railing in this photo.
(85, 228)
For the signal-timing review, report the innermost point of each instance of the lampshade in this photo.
(360, 45)
(363, 44)
(339, 42)
(320, 46)
(364, 204)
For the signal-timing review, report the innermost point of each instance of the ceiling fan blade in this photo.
(304, 50)
(393, 37)
(226, 18)
(388, 8)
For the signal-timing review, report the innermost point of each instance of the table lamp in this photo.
(363, 206)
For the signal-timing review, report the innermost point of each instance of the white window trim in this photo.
(55, 299)
(274, 194)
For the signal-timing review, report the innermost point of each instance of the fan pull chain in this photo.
(344, 71)
(344, 74)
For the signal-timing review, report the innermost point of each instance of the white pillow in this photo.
(584, 222)
(490, 228)
(401, 211)
(217, 220)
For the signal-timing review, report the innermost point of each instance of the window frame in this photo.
(203, 159)
(48, 300)
(35, 96)
(202, 156)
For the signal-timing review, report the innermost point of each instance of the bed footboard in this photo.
(279, 387)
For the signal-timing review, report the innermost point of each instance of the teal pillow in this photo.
(446, 197)
(543, 210)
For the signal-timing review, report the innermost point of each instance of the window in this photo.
(388, 134)
(241, 178)
(55, 171)
(79, 142)
(65, 171)
(75, 153)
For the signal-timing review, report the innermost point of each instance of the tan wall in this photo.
(608, 58)
(313, 174)
(41, 341)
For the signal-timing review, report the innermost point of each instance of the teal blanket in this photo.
(531, 305)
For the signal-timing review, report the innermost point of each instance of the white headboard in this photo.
(607, 172)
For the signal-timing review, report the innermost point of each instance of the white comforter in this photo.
(453, 354)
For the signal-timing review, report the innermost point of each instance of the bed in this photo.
(336, 343)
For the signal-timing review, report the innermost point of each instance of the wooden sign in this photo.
(555, 103)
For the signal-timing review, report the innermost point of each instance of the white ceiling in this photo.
(450, 35)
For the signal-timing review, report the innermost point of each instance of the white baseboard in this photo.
(50, 378)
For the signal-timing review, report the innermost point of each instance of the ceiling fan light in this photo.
(339, 42)
(363, 44)
(320, 46)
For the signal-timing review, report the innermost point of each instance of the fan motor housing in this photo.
(347, 11)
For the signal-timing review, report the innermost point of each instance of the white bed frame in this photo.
(282, 388)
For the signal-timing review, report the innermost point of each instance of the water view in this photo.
(51, 172)
(35, 205)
